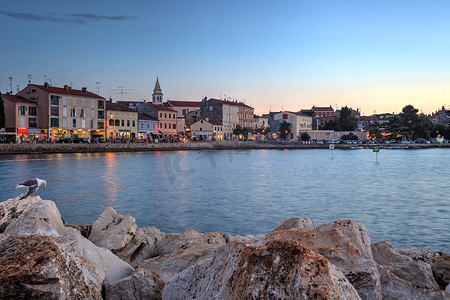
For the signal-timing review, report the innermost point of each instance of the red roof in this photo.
(18, 98)
(231, 103)
(184, 103)
(214, 122)
(160, 107)
(369, 118)
(68, 91)
(324, 108)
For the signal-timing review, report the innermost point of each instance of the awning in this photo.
(156, 133)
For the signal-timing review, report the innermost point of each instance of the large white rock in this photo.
(142, 284)
(297, 224)
(45, 267)
(346, 244)
(112, 230)
(43, 218)
(178, 251)
(420, 253)
(416, 272)
(395, 288)
(11, 209)
(280, 269)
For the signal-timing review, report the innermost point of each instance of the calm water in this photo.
(404, 198)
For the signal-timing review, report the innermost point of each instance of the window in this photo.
(128, 123)
(64, 111)
(184, 112)
(64, 100)
(123, 123)
(64, 123)
(92, 123)
(101, 114)
(54, 111)
(32, 111)
(100, 125)
(134, 123)
(83, 102)
(83, 124)
(210, 108)
(201, 129)
(92, 113)
(83, 113)
(73, 112)
(111, 122)
(74, 101)
(165, 125)
(160, 115)
(117, 123)
(100, 104)
(22, 121)
(165, 115)
(54, 100)
(54, 122)
(32, 122)
(74, 123)
(22, 110)
(92, 103)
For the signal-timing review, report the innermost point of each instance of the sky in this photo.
(377, 56)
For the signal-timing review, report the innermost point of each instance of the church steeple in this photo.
(157, 97)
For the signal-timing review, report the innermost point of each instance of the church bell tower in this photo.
(157, 97)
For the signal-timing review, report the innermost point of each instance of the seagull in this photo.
(32, 185)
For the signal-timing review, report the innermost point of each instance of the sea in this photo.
(402, 196)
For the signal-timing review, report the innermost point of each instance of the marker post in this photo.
(376, 150)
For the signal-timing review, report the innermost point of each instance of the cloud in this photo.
(64, 18)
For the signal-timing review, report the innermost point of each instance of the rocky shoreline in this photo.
(41, 257)
(137, 147)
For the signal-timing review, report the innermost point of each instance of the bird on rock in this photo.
(32, 185)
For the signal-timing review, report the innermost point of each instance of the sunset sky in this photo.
(373, 55)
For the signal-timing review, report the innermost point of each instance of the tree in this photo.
(2, 112)
(285, 129)
(305, 136)
(422, 128)
(440, 129)
(346, 121)
(375, 133)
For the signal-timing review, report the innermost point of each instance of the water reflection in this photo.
(111, 178)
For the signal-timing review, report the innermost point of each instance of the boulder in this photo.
(178, 251)
(297, 224)
(416, 272)
(420, 253)
(441, 270)
(112, 230)
(32, 216)
(141, 246)
(280, 269)
(121, 235)
(85, 230)
(346, 244)
(43, 218)
(44, 267)
(142, 284)
(395, 288)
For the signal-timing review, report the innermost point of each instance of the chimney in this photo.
(46, 84)
(66, 87)
(84, 89)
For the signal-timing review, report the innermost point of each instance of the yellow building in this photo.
(122, 122)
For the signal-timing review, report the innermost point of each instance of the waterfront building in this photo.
(204, 130)
(261, 121)
(148, 127)
(228, 113)
(66, 112)
(441, 117)
(122, 121)
(157, 96)
(299, 122)
(167, 118)
(367, 122)
(21, 119)
(183, 108)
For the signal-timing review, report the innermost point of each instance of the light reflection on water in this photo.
(404, 198)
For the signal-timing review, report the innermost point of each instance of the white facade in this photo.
(299, 123)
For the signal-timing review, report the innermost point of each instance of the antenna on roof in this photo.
(29, 79)
(45, 78)
(10, 83)
(98, 87)
(122, 90)
(71, 83)
(18, 88)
